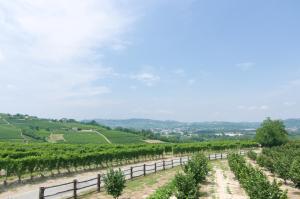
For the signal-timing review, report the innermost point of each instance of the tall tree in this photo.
(271, 133)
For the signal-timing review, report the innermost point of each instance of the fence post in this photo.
(215, 156)
(75, 189)
(209, 157)
(144, 169)
(180, 161)
(155, 167)
(163, 164)
(172, 164)
(42, 193)
(221, 155)
(131, 172)
(98, 182)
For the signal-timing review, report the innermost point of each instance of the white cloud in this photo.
(245, 66)
(1, 57)
(148, 78)
(53, 48)
(289, 104)
(191, 82)
(179, 71)
(253, 108)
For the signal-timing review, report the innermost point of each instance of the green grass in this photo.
(118, 137)
(9, 132)
(84, 138)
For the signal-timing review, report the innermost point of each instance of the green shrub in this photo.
(186, 186)
(295, 172)
(252, 155)
(114, 182)
(197, 167)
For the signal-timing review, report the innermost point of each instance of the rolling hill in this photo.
(25, 128)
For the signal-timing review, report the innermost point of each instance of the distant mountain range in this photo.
(168, 124)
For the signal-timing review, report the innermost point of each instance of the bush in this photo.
(186, 186)
(114, 182)
(198, 167)
(295, 172)
(252, 155)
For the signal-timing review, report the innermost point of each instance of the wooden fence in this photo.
(73, 189)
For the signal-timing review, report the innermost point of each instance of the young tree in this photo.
(198, 167)
(186, 186)
(271, 133)
(114, 182)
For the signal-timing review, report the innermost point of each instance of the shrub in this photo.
(186, 186)
(295, 172)
(252, 155)
(114, 182)
(197, 167)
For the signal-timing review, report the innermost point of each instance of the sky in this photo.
(186, 60)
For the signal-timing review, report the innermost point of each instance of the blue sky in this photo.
(191, 60)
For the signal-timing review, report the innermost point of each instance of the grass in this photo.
(118, 137)
(8, 132)
(84, 138)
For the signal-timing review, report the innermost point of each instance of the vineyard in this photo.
(24, 128)
(37, 159)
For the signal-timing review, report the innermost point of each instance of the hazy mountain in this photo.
(168, 124)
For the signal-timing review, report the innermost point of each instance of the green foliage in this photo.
(114, 182)
(279, 160)
(252, 155)
(254, 181)
(8, 132)
(295, 172)
(164, 192)
(197, 167)
(271, 133)
(186, 186)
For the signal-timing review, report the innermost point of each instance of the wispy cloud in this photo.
(148, 78)
(245, 66)
(53, 49)
(253, 107)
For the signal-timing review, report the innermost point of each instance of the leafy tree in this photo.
(295, 172)
(198, 167)
(186, 186)
(271, 133)
(114, 182)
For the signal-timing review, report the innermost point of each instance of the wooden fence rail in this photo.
(72, 189)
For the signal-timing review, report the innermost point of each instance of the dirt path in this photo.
(107, 140)
(221, 184)
(140, 188)
(293, 193)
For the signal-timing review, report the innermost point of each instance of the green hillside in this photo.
(24, 128)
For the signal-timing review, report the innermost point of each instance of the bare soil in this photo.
(221, 183)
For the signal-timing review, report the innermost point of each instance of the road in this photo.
(32, 191)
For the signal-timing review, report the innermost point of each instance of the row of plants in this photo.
(254, 181)
(284, 161)
(35, 159)
(186, 184)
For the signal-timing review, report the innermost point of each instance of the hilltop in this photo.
(25, 128)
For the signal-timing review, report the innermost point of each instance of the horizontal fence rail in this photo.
(72, 189)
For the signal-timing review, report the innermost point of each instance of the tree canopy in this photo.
(271, 133)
